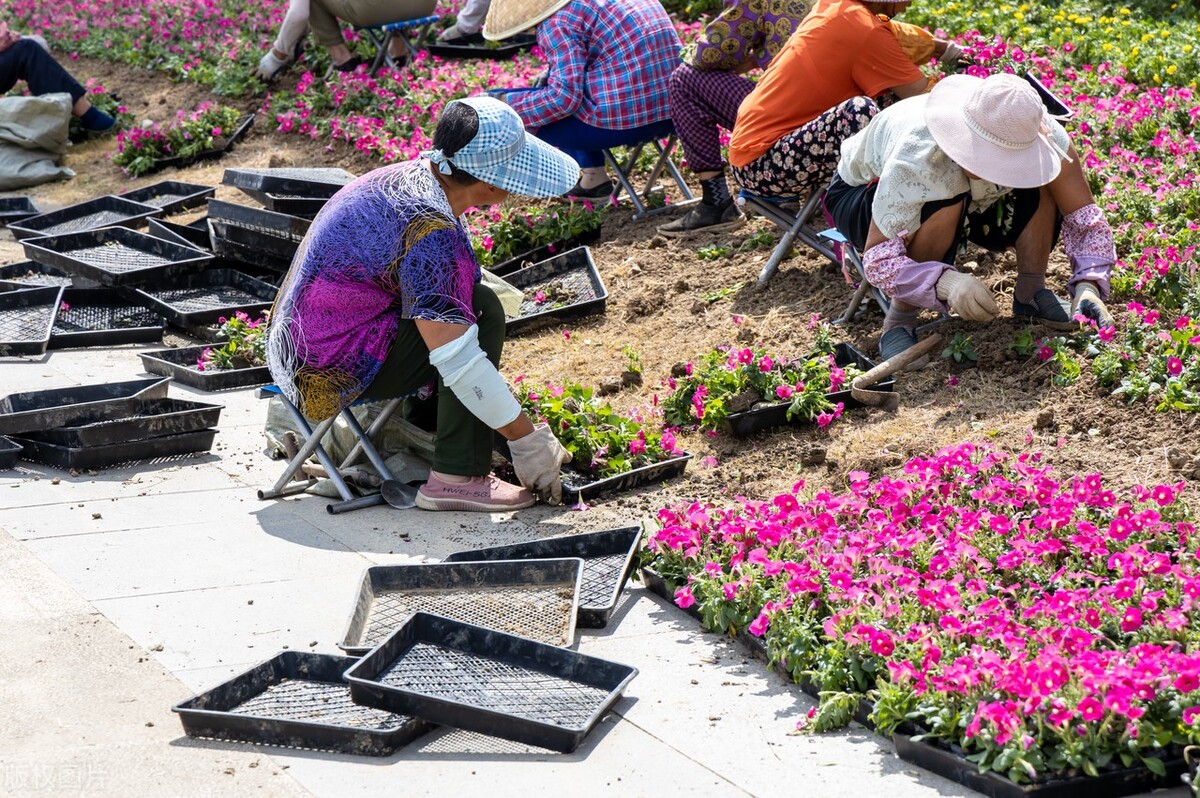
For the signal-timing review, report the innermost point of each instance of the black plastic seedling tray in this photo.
(607, 562)
(742, 424)
(30, 411)
(572, 286)
(14, 209)
(1109, 784)
(481, 680)
(578, 486)
(117, 256)
(497, 51)
(206, 297)
(152, 418)
(537, 599)
(247, 255)
(66, 457)
(251, 243)
(103, 317)
(30, 274)
(288, 203)
(188, 235)
(259, 220)
(315, 183)
(1054, 106)
(100, 212)
(180, 365)
(10, 450)
(26, 318)
(237, 135)
(173, 196)
(543, 252)
(297, 700)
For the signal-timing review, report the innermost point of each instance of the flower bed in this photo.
(510, 237)
(1041, 626)
(203, 132)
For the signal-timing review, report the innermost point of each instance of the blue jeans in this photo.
(27, 61)
(586, 143)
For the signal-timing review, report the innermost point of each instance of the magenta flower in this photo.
(783, 391)
(1174, 366)
(684, 597)
(758, 627)
(1090, 709)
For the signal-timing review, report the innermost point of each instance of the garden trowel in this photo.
(890, 400)
(399, 494)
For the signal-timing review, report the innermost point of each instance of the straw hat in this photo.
(995, 127)
(509, 17)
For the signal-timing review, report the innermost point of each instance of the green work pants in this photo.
(464, 443)
(323, 15)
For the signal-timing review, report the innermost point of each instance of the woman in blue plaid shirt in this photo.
(610, 64)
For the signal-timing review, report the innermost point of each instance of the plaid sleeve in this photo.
(564, 46)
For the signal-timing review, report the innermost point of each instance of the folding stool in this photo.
(416, 30)
(665, 161)
(852, 268)
(794, 223)
(284, 486)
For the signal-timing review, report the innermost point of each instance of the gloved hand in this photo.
(537, 459)
(270, 66)
(950, 56)
(967, 296)
(1088, 302)
(542, 79)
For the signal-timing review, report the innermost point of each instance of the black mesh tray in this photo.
(1054, 106)
(113, 454)
(103, 317)
(250, 242)
(578, 486)
(29, 411)
(287, 203)
(100, 212)
(246, 255)
(318, 182)
(543, 252)
(27, 274)
(180, 365)
(190, 235)
(741, 424)
(9, 451)
(499, 51)
(607, 562)
(258, 220)
(1109, 784)
(297, 700)
(151, 418)
(26, 318)
(173, 196)
(239, 132)
(117, 256)
(572, 272)
(14, 209)
(534, 598)
(206, 297)
(456, 674)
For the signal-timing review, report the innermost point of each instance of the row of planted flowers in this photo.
(1042, 625)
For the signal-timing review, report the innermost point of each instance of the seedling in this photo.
(961, 349)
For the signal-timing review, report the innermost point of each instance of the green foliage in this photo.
(189, 134)
(245, 344)
(517, 231)
(961, 349)
(1024, 344)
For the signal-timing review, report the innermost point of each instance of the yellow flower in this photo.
(1171, 69)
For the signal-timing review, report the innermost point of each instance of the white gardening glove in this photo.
(951, 54)
(537, 459)
(967, 296)
(270, 66)
(1088, 302)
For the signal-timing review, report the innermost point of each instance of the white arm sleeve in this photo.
(466, 370)
(295, 23)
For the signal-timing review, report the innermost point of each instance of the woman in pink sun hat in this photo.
(980, 160)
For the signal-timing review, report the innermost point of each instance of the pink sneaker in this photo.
(486, 494)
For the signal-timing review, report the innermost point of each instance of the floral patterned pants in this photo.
(803, 161)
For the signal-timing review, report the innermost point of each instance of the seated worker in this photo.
(26, 58)
(323, 16)
(383, 298)
(817, 93)
(980, 153)
(705, 94)
(606, 80)
(468, 25)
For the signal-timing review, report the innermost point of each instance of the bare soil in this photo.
(670, 306)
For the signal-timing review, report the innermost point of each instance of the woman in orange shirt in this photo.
(818, 92)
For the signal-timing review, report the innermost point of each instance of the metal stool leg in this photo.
(312, 444)
(623, 180)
